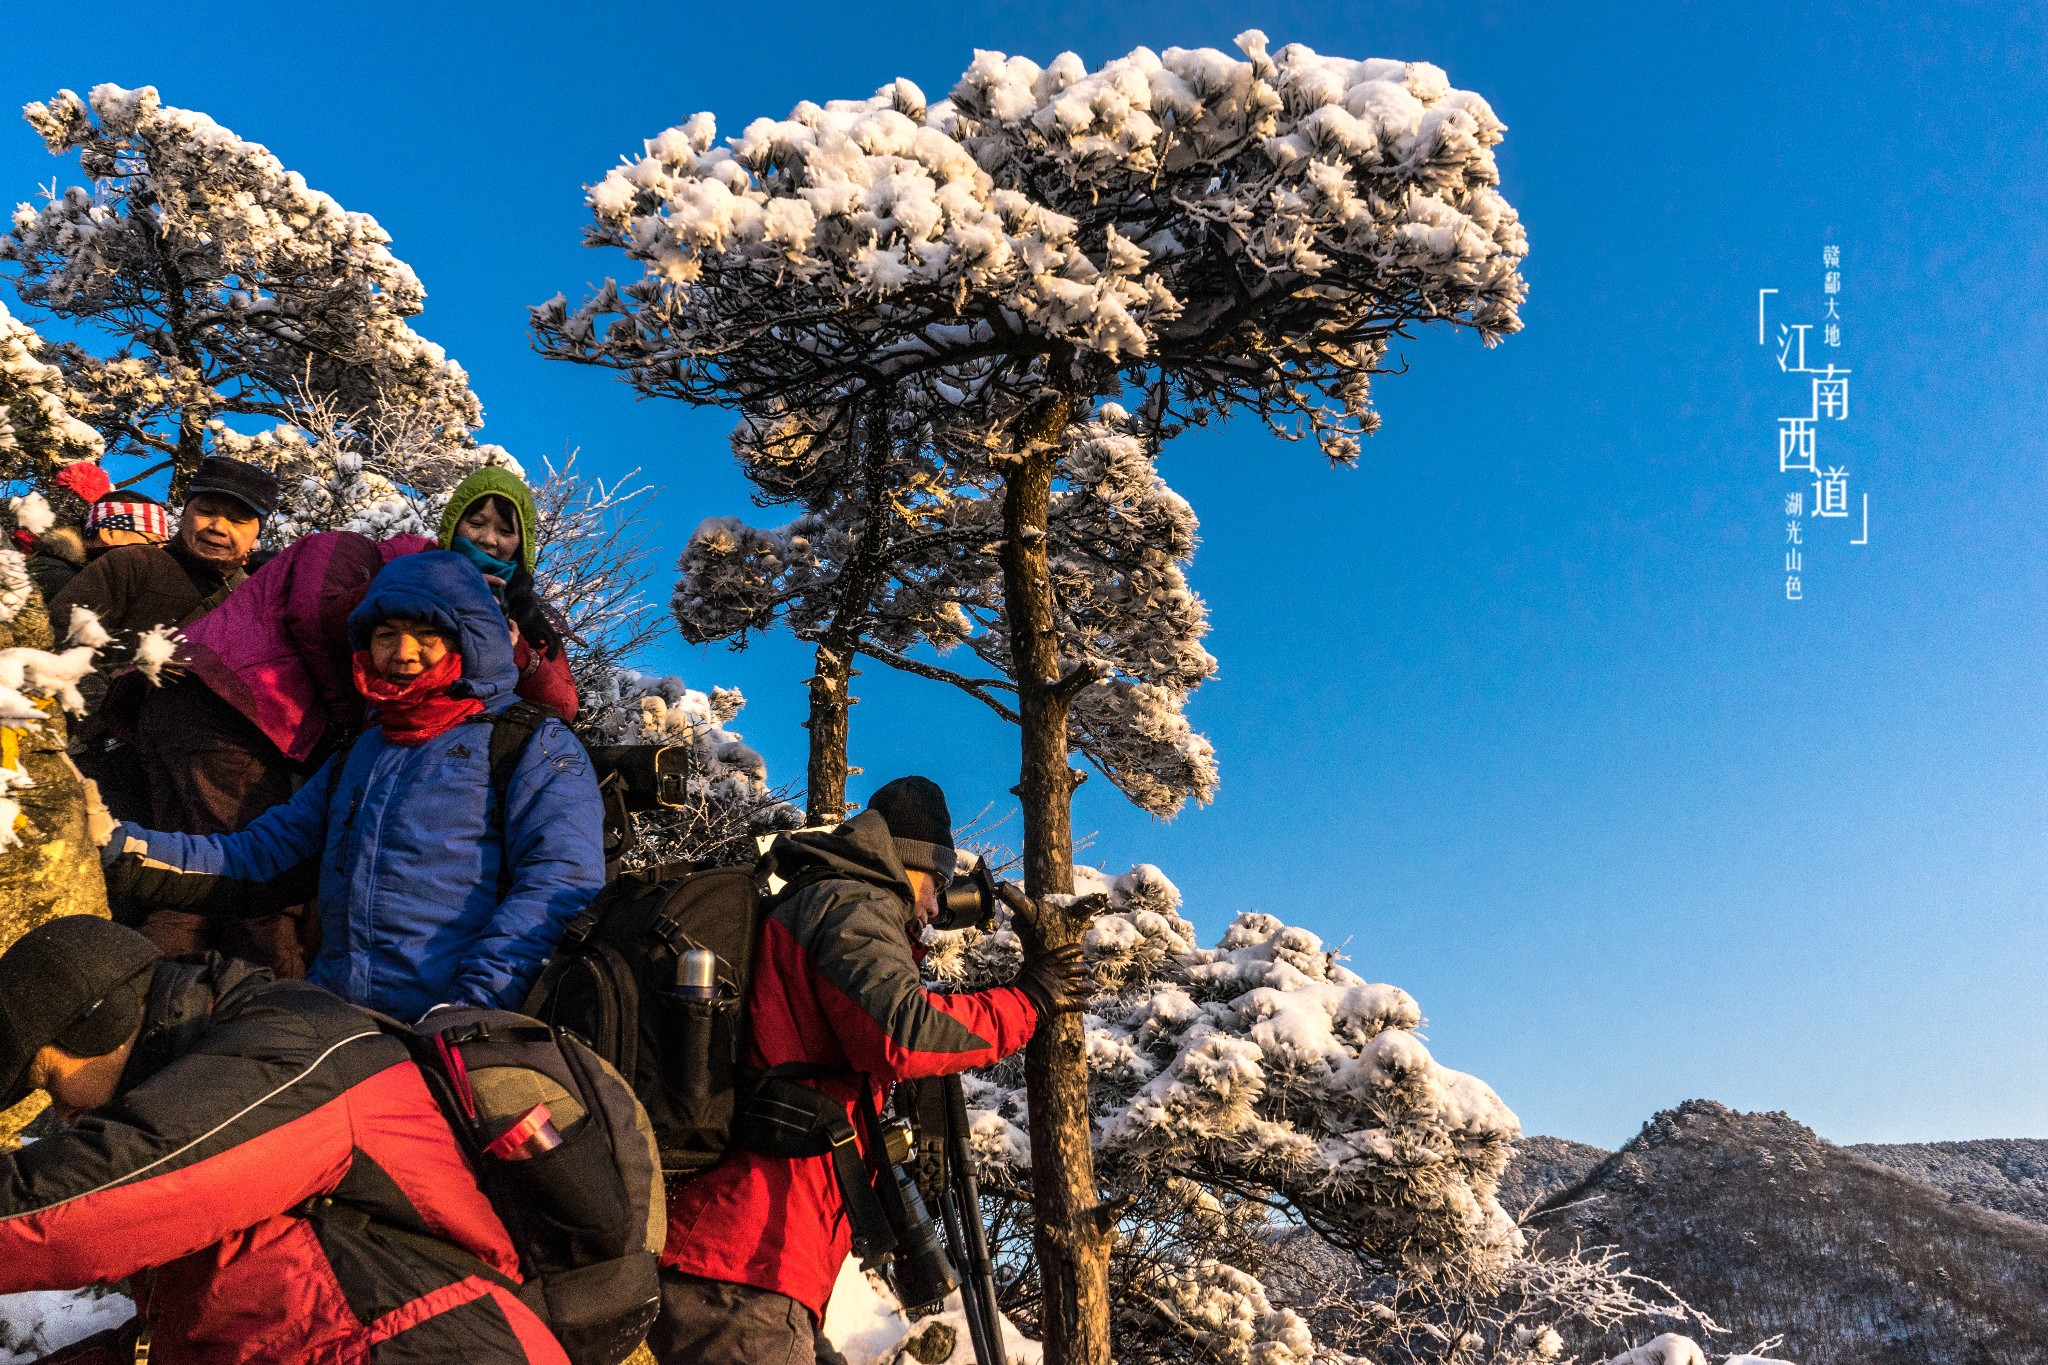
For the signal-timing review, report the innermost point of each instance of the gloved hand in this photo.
(1056, 981)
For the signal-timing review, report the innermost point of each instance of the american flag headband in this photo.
(146, 517)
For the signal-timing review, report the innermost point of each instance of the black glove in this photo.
(1055, 981)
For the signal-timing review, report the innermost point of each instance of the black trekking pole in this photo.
(978, 1295)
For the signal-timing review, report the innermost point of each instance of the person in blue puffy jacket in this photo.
(431, 888)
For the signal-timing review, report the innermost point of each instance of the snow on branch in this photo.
(1248, 231)
(276, 289)
(38, 431)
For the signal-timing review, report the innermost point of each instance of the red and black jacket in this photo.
(834, 985)
(248, 1100)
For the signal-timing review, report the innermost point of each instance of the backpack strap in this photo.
(779, 1117)
(512, 729)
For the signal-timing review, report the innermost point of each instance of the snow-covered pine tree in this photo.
(873, 494)
(226, 286)
(38, 433)
(1223, 233)
(1120, 539)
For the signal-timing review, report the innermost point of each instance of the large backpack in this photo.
(611, 984)
(587, 1215)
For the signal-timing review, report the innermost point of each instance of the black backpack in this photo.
(587, 1213)
(611, 984)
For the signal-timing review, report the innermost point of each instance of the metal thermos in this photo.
(530, 1134)
(693, 1011)
(697, 974)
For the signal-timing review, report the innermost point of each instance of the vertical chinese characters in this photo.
(1800, 438)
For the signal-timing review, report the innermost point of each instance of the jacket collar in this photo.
(183, 997)
(203, 573)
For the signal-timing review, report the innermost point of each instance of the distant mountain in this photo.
(1771, 1230)
(2006, 1174)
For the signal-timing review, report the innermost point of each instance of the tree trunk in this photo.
(866, 569)
(825, 784)
(1071, 1241)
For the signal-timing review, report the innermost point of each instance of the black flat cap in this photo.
(77, 981)
(245, 483)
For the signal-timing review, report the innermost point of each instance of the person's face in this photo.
(78, 1085)
(491, 527)
(218, 530)
(401, 650)
(926, 888)
(106, 538)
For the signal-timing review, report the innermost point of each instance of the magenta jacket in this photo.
(277, 648)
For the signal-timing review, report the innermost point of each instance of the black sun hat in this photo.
(77, 981)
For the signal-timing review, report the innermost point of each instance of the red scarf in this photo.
(414, 712)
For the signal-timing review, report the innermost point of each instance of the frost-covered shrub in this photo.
(38, 432)
(1296, 1178)
(1238, 1090)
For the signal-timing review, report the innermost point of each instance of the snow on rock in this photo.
(1669, 1349)
(32, 680)
(34, 1325)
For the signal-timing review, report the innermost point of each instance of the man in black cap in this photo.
(835, 1003)
(209, 1108)
(133, 589)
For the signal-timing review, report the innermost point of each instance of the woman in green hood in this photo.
(490, 520)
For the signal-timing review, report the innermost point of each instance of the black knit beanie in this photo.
(76, 981)
(919, 823)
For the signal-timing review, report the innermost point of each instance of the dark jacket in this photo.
(59, 555)
(245, 1098)
(834, 985)
(431, 891)
(135, 588)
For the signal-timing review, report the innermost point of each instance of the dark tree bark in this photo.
(1070, 1236)
(825, 782)
(866, 570)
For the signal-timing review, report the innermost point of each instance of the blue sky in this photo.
(1517, 708)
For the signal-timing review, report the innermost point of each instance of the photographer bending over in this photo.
(208, 1103)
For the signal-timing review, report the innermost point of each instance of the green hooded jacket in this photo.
(482, 484)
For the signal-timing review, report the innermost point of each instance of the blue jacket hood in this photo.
(445, 589)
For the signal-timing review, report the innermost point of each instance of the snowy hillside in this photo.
(2006, 1174)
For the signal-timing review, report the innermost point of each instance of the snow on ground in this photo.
(34, 1325)
(865, 1324)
